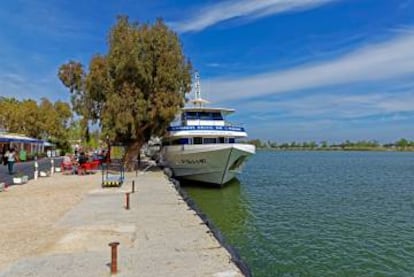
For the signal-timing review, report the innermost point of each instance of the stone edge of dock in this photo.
(235, 256)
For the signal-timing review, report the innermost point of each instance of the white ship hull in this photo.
(210, 163)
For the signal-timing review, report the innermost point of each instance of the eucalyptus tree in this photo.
(135, 90)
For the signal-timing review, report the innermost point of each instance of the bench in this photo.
(89, 167)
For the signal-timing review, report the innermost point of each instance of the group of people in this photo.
(76, 161)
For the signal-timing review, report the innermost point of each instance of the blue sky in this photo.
(294, 69)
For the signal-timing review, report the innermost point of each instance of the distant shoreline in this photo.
(402, 145)
(334, 149)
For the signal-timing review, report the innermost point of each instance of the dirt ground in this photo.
(29, 211)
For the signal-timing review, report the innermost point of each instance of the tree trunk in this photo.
(132, 152)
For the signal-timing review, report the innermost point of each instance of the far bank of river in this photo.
(336, 149)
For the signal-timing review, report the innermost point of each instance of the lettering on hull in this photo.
(191, 161)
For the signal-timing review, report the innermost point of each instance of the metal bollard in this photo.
(114, 257)
(127, 200)
(52, 167)
(36, 169)
(133, 186)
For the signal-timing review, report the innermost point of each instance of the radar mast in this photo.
(198, 101)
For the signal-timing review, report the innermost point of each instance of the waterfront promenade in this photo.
(61, 226)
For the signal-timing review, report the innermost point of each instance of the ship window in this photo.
(191, 115)
(209, 140)
(205, 116)
(231, 140)
(221, 140)
(217, 116)
(197, 140)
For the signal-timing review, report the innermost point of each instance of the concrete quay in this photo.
(62, 225)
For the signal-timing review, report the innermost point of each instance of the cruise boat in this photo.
(202, 146)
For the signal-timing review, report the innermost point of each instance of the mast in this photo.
(197, 86)
(198, 101)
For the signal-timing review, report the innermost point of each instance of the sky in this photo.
(294, 70)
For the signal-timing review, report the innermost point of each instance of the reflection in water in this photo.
(226, 207)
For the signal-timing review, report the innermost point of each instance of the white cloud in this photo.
(249, 9)
(376, 62)
(322, 106)
(214, 65)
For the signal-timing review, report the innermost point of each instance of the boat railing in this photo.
(233, 124)
(226, 124)
(206, 128)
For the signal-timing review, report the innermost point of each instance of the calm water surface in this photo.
(319, 213)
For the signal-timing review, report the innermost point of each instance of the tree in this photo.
(9, 114)
(402, 143)
(313, 145)
(45, 120)
(324, 144)
(29, 114)
(273, 144)
(256, 142)
(136, 89)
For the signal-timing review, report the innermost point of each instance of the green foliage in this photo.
(402, 144)
(46, 120)
(75, 131)
(256, 142)
(137, 88)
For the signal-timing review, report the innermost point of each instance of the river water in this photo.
(319, 213)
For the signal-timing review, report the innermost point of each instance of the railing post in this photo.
(133, 186)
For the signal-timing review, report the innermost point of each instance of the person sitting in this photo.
(67, 159)
(67, 165)
(82, 160)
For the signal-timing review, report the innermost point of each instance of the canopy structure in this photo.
(16, 138)
(19, 142)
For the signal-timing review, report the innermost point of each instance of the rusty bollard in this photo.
(114, 257)
(127, 200)
(133, 186)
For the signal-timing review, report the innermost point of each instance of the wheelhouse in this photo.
(203, 116)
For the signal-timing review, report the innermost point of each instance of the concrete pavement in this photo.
(159, 236)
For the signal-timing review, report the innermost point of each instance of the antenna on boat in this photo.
(197, 85)
(197, 91)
